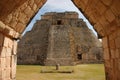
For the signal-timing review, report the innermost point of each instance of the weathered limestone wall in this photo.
(8, 58)
(8, 49)
(111, 46)
(87, 45)
(59, 47)
(32, 49)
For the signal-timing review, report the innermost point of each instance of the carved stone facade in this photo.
(59, 38)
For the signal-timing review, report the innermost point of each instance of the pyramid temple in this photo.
(59, 38)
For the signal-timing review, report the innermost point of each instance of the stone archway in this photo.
(104, 15)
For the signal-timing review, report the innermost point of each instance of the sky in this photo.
(57, 6)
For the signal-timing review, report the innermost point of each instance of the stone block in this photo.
(113, 28)
(34, 7)
(0, 63)
(13, 60)
(112, 62)
(118, 33)
(1, 39)
(13, 66)
(24, 6)
(0, 74)
(109, 15)
(107, 63)
(106, 54)
(22, 17)
(113, 52)
(117, 42)
(13, 23)
(40, 2)
(3, 52)
(115, 7)
(3, 63)
(10, 43)
(112, 44)
(6, 30)
(101, 8)
(31, 3)
(119, 64)
(105, 42)
(83, 4)
(118, 76)
(90, 10)
(20, 27)
(116, 63)
(85, 1)
(36, 1)
(93, 16)
(15, 48)
(28, 11)
(102, 33)
(113, 36)
(116, 67)
(98, 27)
(16, 35)
(8, 62)
(11, 32)
(3, 74)
(2, 26)
(107, 29)
(6, 42)
(16, 13)
(9, 51)
(8, 71)
(103, 21)
(13, 72)
(117, 53)
(9, 18)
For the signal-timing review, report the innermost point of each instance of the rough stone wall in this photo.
(59, 49)
(8, 58)
(111, 46)
(87, 44)
(32, 49)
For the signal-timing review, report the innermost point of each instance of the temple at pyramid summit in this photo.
(59, 38)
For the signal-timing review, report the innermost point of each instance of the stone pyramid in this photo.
(59, 38)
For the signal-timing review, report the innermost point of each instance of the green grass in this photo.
(81, 72)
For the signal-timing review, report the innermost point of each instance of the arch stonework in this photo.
(15, 15)
(104, 15)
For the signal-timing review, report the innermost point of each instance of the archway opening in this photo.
(46, 8)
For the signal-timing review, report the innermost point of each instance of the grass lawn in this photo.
(81, 72)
